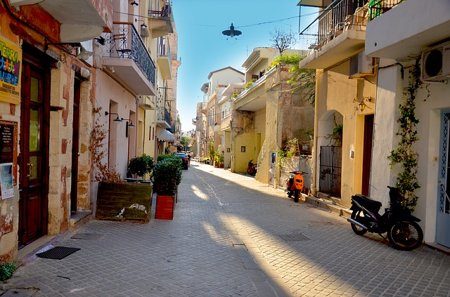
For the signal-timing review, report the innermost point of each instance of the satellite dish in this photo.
(231, 32)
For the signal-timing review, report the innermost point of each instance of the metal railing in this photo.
(378, 7)
(165, 11)
(339, 16)
(127, 44)
(164, 47)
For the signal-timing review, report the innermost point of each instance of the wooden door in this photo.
(75, 146)
(367, 155)
(33, 158)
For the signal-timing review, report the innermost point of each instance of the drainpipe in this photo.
(315, 143)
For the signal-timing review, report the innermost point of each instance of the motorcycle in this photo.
(401, 226)
(251, 168)
(294, 185)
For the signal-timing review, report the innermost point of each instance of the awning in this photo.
(166, 136)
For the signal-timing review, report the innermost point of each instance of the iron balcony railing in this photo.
(378, 7)
(164, 47)
(127, 44)
(158, 11)
(339, 16)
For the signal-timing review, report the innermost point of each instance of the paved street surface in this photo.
(232, 236)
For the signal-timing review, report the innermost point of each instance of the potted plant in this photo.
(140, 166)
(116, 199)
(166, 177)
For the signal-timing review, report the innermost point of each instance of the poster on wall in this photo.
(10, 67)
(6, 181)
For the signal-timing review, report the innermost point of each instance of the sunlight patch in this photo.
(199, 193)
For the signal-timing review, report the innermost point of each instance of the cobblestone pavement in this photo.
(233, 236)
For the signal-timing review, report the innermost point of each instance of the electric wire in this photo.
(242, 26)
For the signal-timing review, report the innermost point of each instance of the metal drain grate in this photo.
(294, 237)
(87, 236)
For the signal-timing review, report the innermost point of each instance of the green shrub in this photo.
(293, 59)
(140, 165)
(7, 270)
(166, 176)
(163, 157)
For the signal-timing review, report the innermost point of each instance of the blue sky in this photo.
(202, 48)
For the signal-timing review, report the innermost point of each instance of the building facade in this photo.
(82, 82)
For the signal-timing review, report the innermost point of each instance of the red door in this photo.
(33, 158)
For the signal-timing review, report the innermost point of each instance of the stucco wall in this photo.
(428, 111)
(336, 92)
(110, 90)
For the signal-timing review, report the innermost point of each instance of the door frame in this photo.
(443, 173)
(369, 120)
(38, 60)
(75, 145)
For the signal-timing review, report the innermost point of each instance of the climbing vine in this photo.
(404, 154)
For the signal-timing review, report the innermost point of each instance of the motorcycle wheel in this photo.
(296, 195)
(289, 193)
(358, 230)
(405, 235)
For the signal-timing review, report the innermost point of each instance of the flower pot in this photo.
(164, 207)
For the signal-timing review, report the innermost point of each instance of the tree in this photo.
(185, 141)
(282, 40)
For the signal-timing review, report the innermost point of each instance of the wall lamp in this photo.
(129, 123)
(117, 119)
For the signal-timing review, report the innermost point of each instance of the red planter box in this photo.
(164, 207)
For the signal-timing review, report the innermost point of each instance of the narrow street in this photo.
(232, 236)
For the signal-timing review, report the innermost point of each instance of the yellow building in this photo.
(266, 115)
(344, 105)
(156, 114)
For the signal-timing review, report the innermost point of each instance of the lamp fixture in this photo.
(84, 54)
(128, 124)
(101, 40)
(134, 3)
(117, 119)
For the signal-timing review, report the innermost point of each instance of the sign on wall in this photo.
(6, 181)
(8, 145)
(10, 67)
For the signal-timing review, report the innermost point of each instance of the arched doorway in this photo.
(329, 143)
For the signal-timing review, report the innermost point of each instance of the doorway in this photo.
(34, 140)
(367, 153)
(443, 211)
(75, 146)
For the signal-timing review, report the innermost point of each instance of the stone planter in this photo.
(127, 201)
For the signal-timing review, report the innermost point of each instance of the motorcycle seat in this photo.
(367, 202)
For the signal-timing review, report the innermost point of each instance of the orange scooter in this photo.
(294, 185)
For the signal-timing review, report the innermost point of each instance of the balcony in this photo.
(146, 102)
(128, 60)
(338, 33)
(80, 20)
(427, 23)
(163, 118)
(164, 58)
(160, 19)
(254, 97)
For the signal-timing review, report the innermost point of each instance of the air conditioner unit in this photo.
(361, 66)
(436, 63)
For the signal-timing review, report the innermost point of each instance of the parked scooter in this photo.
(251, 168)
(401, 226)
(294, 185)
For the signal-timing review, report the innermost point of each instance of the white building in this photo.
(410, 31)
